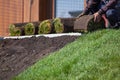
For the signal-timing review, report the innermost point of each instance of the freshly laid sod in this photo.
(94, 56)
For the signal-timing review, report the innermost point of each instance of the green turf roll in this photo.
(14, 31)
(95, 25)
(58, 26)
(29, 29)
(87, 24)
(45, 27)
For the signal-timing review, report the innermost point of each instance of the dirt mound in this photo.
(18, 54)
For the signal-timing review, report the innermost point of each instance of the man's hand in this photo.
(97, 17)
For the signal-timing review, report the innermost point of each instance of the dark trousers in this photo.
(112, 15)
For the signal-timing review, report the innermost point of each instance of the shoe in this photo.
(116, 26)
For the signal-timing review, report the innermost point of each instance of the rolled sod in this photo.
(86, 24)
(58, 26)
(14, 31)
(45, 27)
(95, 25)
(29, 29)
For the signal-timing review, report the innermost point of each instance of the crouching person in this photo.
(106, 9)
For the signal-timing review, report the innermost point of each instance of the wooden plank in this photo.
(31, 10)
(53, 9)
(34, 10)
(26, 10)
(42, 8)
(45, 9)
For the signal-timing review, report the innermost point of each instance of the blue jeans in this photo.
(112, 15)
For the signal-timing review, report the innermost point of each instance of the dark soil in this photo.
(18, 54)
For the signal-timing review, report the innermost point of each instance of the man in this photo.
(105, 9)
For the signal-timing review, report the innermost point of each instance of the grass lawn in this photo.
(94, 56)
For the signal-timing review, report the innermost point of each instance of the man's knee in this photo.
(112, 16)
(112, 13)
